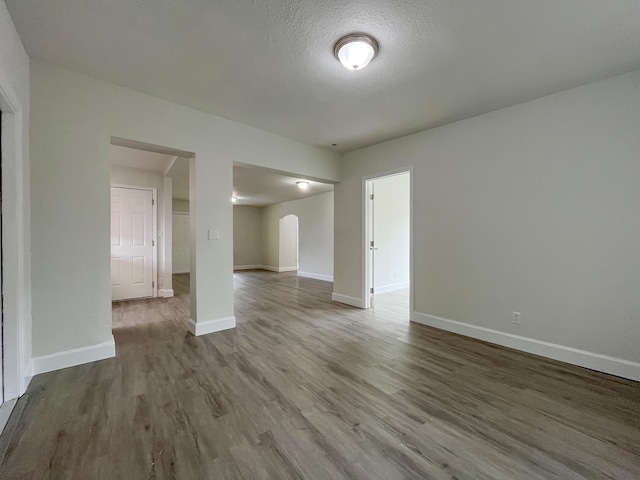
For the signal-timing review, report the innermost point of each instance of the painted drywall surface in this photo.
(180, 206)
(14, 77)
(531, 209)
(73, 118)
(247, 236)
(391, 232)
(315, 233)
(143, 178)
(288, 243)
(181, 246)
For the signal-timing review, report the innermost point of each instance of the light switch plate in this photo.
(214, 234)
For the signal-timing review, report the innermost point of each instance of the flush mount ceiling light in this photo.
(302, 185)
(356, 50)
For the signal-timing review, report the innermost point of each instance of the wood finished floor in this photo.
(309, 388)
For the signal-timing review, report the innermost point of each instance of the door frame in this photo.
(154, 230)
(367, 277)
(15, 245)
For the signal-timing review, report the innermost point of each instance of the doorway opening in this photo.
(288, 244)
(144, 181)
(388, 220)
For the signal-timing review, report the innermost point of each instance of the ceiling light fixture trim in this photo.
(302, 185)
(356, 50)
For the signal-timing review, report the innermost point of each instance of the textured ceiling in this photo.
(269, 63)
(260, 187)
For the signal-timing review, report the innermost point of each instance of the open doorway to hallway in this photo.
(149, 185)
(388, 227)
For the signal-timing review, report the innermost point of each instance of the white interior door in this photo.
(371, 247)
(131, 243)
(180, 251)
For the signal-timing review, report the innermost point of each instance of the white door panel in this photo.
(131, 243)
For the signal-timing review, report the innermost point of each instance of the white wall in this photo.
(181, 249)
(391, 233)
(144, 178)
(288, 244)
(315, 235)
(533, 208)
(247, 237)
(181, 206)
(73, 119)
(16, 215)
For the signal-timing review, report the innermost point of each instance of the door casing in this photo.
(367, 233)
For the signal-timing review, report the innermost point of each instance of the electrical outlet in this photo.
(516, 317)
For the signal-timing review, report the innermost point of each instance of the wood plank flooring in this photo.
(308, 388)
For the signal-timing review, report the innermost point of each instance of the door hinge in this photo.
(371, 243)
(371, 289)
(153, 243)
(371, 197)
(153, 202)
(153, 284)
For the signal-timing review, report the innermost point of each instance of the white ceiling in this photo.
(270, 63)
(259, 187)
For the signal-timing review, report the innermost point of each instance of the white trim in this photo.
(16, 278)
(353, 301)
(165, 293)
(248, 267)
(287, 269)
(366, 298)
(278, 269)
(582, 358)
(211, 326)
(390, 288)
(76, 356)
(5, 412)
(154, 233)
(317, 276)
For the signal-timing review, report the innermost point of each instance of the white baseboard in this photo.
(278, 269)
(317, 276)
(165, 293)
(76, 356)
(247, 267)
(5, 412)
(582, 358)
(353, 301)
(211, 326)
(391, 287)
